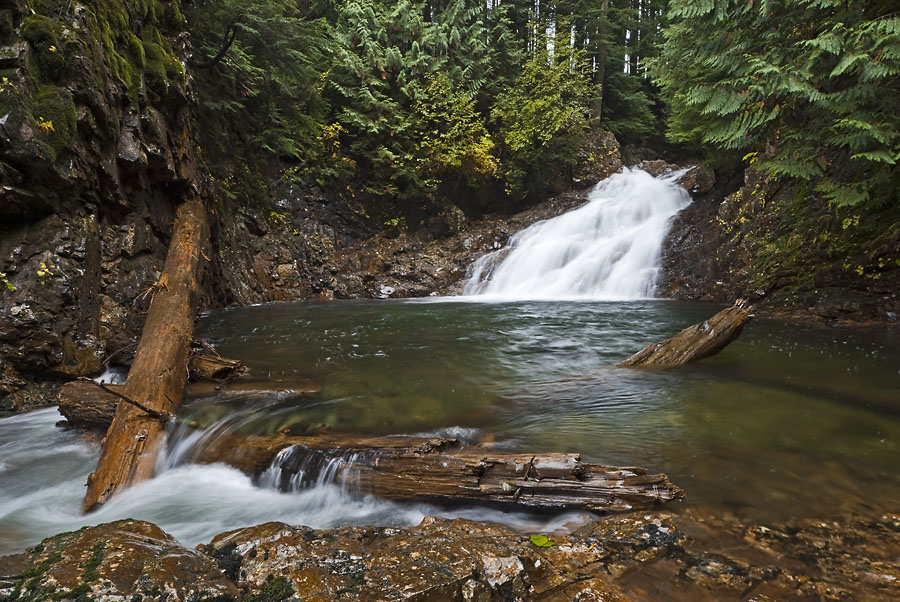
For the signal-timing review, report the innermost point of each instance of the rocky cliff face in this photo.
(96, 151)
(787, 250)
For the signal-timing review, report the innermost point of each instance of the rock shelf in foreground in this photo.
(624, 558)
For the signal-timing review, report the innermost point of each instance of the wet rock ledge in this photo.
(632, 557)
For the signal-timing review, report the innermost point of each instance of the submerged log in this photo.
(694, 342)
(157, 376)
(85, 404)
(440, 470)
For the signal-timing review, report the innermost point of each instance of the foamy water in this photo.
(608, 249)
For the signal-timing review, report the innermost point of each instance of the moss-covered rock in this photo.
(76, 88)
(124, 560)
(53, 111)
(780, 244)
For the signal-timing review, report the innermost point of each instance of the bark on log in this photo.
(86, 405)
(158, 373)
(205, 366)
(694, 342)
(439, 470)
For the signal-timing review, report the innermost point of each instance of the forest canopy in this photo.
(409, 100)
(418, 101)
(808, 88)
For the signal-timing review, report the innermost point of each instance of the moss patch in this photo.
(43, 33)
(275, 589)
(55, 119)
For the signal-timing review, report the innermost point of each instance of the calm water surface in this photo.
(787, 421)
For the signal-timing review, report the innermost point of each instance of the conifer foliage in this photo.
(411, 100)
(808, 88)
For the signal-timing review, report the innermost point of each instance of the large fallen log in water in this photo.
(412, 468)
(694, 342)
(87, 405)
(440, 470)
(157, 376)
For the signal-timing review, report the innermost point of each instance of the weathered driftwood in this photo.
(694, 342)
(158, 373)
(440, 470)
(206, 366)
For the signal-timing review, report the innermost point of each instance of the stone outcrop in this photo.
(787, 251)
(124, 560)
(96, 152)
(639, 557)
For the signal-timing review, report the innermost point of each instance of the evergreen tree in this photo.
(542, 117)
(400, 83)
(265, 82)
(808, 88)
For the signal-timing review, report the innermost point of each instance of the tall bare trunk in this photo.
(158, 374)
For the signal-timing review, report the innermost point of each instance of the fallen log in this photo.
(85, 404)
(439, 470)
(694, 342)
(157, 376)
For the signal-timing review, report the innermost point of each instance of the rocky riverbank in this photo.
(792, 254)
(690, 556)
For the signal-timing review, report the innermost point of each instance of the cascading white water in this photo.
(608, 249)
(43, 470)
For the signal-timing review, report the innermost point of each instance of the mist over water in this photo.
(608, 249)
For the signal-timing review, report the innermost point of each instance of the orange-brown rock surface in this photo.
(693, 556)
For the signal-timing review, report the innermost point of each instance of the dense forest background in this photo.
(414, 103)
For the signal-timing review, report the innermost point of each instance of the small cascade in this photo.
(298, 467)
(294, 469)
(608, 249)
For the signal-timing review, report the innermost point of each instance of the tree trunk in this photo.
(694, 342)
(158, 373)
(600, 72)
(439, 470)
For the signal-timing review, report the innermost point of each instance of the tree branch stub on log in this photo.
(694, 342)
(157, 376)
(205, 366)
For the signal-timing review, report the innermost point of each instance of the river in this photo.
(788, 421)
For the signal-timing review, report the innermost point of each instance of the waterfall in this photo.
(608, 249)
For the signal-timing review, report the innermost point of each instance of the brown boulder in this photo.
(124, 560)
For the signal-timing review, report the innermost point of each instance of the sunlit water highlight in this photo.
(788, 421)
(607, 249)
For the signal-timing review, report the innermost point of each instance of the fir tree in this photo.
(808, 88)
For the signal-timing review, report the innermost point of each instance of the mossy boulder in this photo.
(123, 560)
